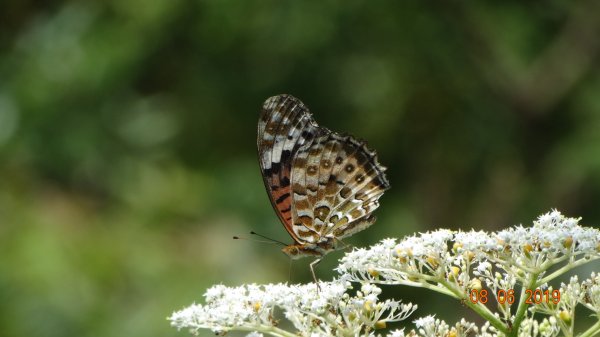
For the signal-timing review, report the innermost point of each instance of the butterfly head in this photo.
(293, 251)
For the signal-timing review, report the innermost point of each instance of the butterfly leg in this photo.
(312, 270)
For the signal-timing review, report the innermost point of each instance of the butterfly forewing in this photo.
(285, 125)
(323, 186)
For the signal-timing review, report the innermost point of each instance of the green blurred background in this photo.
(128, 127)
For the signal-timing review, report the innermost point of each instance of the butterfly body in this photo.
(299, 250)
(323, 185)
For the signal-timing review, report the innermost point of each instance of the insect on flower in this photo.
(323, 186)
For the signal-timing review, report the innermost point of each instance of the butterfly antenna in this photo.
(253, 240)
(267, 238)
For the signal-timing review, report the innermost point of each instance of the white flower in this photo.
(328, 311)
(515, 251)
(397, 333)
(432, 327)
(591, 293)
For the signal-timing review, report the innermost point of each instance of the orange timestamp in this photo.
(533, 296)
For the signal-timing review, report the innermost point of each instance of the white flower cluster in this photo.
(503, 276)
(327, 311)
(518, 251)
(514, 264)
(430, 326)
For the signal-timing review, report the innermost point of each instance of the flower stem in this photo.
(592, 331)
(522, 308)
(565, 269)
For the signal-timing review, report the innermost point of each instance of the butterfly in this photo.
(323, 185)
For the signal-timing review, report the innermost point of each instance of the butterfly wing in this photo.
(284, 126)
(364, 183)
(336, 184)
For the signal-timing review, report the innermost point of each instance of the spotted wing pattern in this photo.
(323, 186)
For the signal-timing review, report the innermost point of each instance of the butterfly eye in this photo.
(339, 160)
(360, 178)
(349, 168)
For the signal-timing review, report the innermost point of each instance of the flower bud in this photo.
(475, 284)
(527, 249)
(256, 306)
(454, 271)
(469, 256)
(374, 273)
(568, 242)
(565, 316)
(380, 324)
(432, 261)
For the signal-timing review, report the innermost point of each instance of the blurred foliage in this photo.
(127, 138)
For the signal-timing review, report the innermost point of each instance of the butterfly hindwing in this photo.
(350, 181)
(306, 171)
